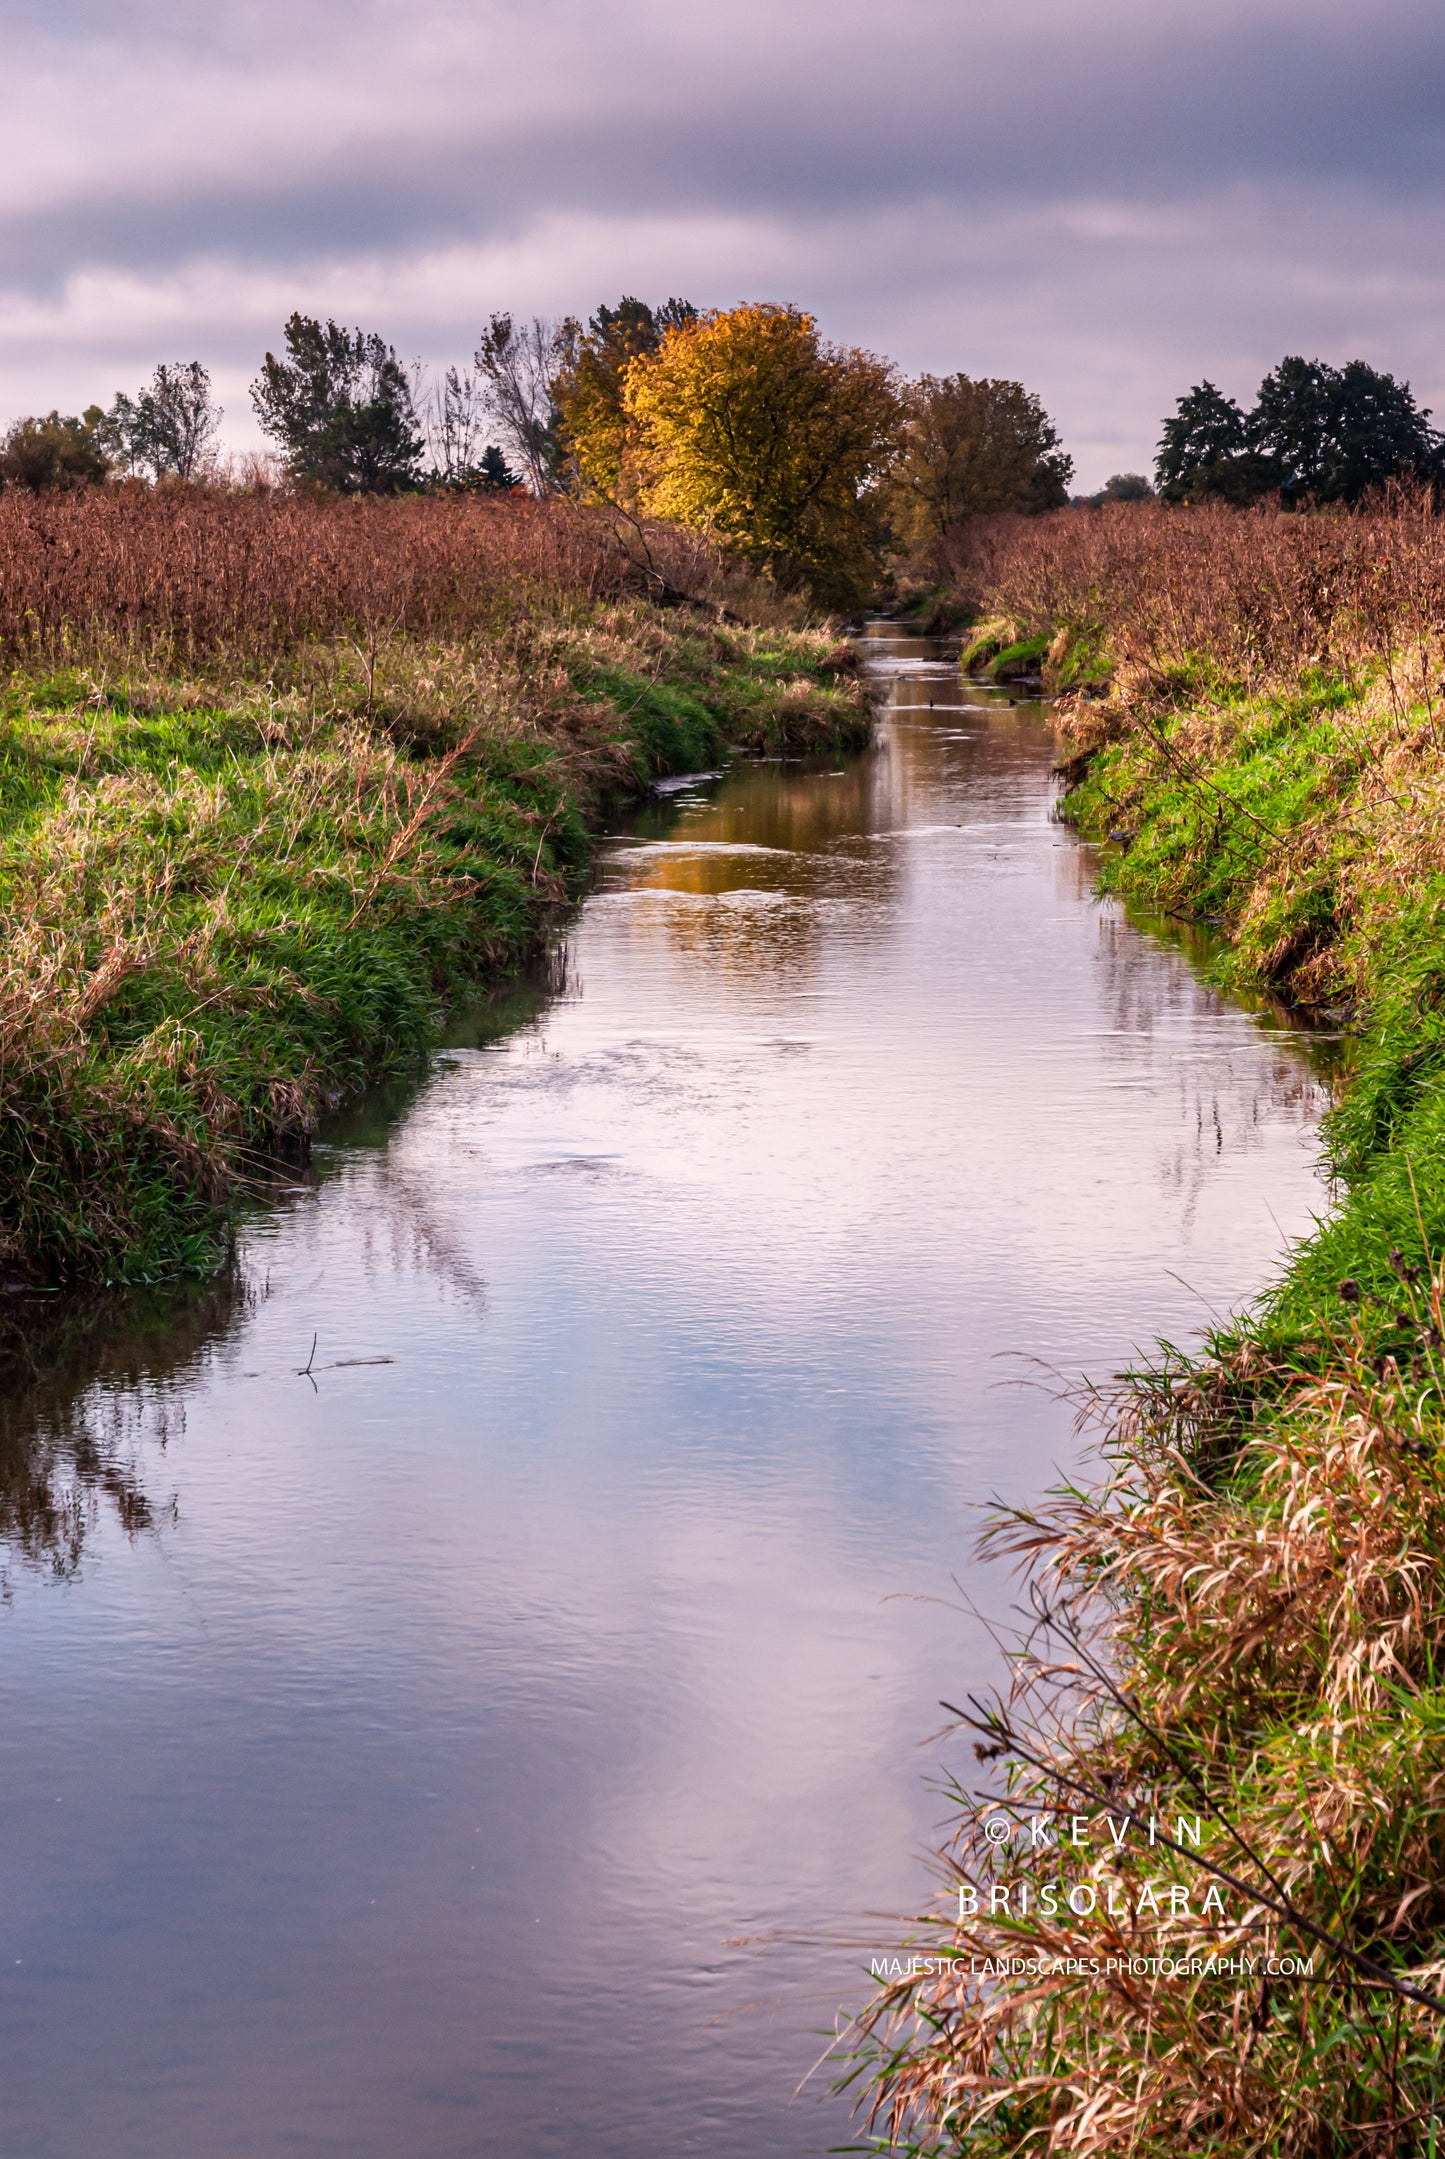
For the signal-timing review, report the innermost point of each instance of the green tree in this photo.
(1207, 452)
(1125, 487)
(589, 390)
(1331, 434)
(747, 425)
(1316, 433)
(491, 475)
(340, 405)
(1381, 433)
(969, 448)
(168, 430)
(488, 474)
(56, 451)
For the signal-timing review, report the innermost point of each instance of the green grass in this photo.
(1024, 656)
(763, 701)
(996, 649)
(230, 904)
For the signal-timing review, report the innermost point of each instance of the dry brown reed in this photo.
(191, 572)
(1248, 597)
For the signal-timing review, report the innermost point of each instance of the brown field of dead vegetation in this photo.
(1205, 597)
(98, 574)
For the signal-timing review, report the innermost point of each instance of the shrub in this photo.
(54, 452)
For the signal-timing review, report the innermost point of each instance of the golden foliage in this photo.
(748, 426)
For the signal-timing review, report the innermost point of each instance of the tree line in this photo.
(819, 464)
(811, 461)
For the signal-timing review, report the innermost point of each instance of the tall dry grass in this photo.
(1206, 595)
(193, 572)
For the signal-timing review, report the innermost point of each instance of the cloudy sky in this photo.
(1104, 198)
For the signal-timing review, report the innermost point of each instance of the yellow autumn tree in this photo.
(747, 425)
(587, 392)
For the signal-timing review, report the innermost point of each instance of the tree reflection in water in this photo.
(89, 1395)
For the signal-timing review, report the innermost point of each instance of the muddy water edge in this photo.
(496, 1729)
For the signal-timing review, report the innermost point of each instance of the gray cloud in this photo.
(1108, 202)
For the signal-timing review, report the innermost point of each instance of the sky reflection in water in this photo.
(409, 1790)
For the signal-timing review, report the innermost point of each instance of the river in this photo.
(497, 1730)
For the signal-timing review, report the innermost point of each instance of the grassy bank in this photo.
(249, 856)
(1242, 1629)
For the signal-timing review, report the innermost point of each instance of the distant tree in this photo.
(491, 475)
(169, 429)
(1207, 451)
(968, 448)
(340, 405)
(588, 390)
(520, 364)
(1127, 487)
(55, 451)
(1291, 425)
(1333, 433)
(455, 421)
(749, 426)
(1317, 433)
(1120, 487)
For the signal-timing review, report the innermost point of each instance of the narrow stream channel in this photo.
(513, 1748)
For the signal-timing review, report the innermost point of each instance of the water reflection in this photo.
(87, 1390)
(426, 1780)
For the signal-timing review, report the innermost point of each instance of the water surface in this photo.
(513, 1747)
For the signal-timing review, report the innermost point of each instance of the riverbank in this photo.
(238, 888)
(1235, 1682)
